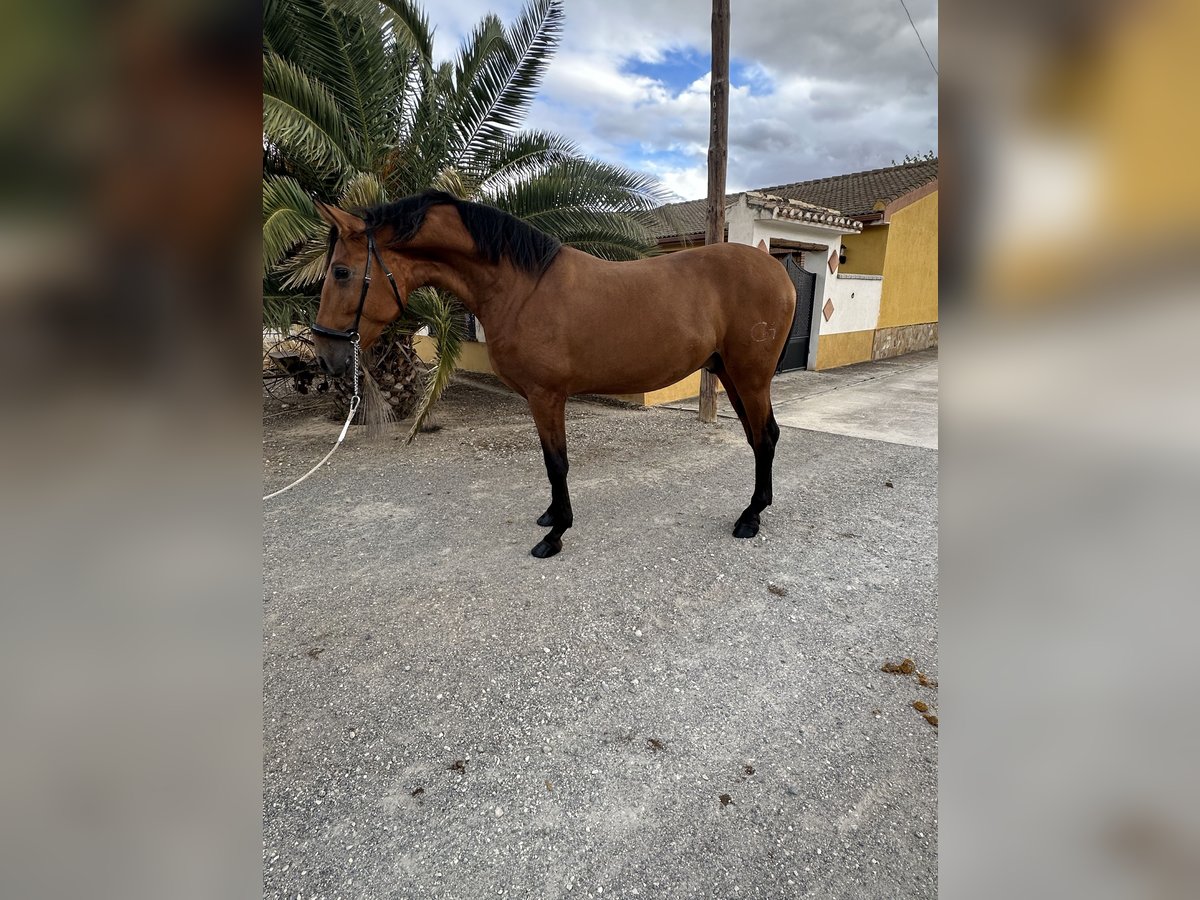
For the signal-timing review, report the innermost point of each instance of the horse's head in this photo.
(350, 301)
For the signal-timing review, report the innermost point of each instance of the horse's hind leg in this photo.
(549, 412)
(764, 458)
(735, 399)
(750, 396)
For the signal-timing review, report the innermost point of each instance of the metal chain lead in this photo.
(355, 345)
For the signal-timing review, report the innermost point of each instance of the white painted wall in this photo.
(817, 262)
(855, 303)
(745, 227)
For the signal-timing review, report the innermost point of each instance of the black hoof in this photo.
(546, 519)
(747, 529)
(546, 548)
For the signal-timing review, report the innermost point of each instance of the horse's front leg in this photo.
(549, 412)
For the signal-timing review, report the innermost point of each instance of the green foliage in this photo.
(357, 112)
(442, 314)
(927, 156)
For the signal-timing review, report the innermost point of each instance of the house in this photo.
(874, 292)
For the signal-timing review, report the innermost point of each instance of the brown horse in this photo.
(561, 322)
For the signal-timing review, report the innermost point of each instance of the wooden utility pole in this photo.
(718, 151)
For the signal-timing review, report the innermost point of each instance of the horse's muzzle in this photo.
(334, 356)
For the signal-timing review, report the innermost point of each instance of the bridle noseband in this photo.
(352, 334)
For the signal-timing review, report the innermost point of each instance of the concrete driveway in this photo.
(894, 400)
(659, 711)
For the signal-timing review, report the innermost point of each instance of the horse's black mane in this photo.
(496, 233)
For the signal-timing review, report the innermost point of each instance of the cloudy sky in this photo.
(817, 89)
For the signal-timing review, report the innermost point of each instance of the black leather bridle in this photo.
(352, 334)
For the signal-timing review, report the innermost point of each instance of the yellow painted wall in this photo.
(910, 271)
(865, 251)
(680, 390)
(843, 349)
(684, 389)
(424, 346)
(474, 356)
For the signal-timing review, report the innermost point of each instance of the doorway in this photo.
(795, 351)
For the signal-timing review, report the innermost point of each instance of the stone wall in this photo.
(904, 339)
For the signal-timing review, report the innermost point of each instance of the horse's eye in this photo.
(341, 273)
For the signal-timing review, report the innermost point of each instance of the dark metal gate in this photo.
(795, 351)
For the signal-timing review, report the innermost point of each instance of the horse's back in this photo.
(713, 271)
(622, 327)
(729, 283)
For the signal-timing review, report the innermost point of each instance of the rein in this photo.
(352, 336)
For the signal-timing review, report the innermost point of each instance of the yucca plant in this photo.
(357, 112)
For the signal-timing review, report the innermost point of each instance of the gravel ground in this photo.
(659, 711)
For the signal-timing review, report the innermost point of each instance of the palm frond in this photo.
(607, 235)
(289, 219)
(583, 183)
(306, 266)
(301, 116)
(414, 159)
(443, 314)
(506, 80)
(362, 191)
(466, 100)
(587, 204)
(281, 311)
(522, 155)
(280, 34)
(303, 32)
(410, 22)
(612, 246)
(485, 39)
(344, 48)
(456, 182)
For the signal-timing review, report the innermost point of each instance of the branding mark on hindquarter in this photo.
(762, 332)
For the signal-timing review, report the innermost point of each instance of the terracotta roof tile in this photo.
(856, 195)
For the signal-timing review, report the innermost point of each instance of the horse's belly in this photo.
(638, 366)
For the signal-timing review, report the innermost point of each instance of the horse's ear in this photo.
(346, 223)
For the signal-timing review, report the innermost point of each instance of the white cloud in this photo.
(834, 88)
(689, 183)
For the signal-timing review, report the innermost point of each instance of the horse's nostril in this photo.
(325, 367)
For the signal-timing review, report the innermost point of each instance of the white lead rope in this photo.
(325, 459)
(354, 401)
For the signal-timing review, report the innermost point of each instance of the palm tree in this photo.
(355, 111)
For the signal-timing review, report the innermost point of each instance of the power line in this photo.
(918, 34)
